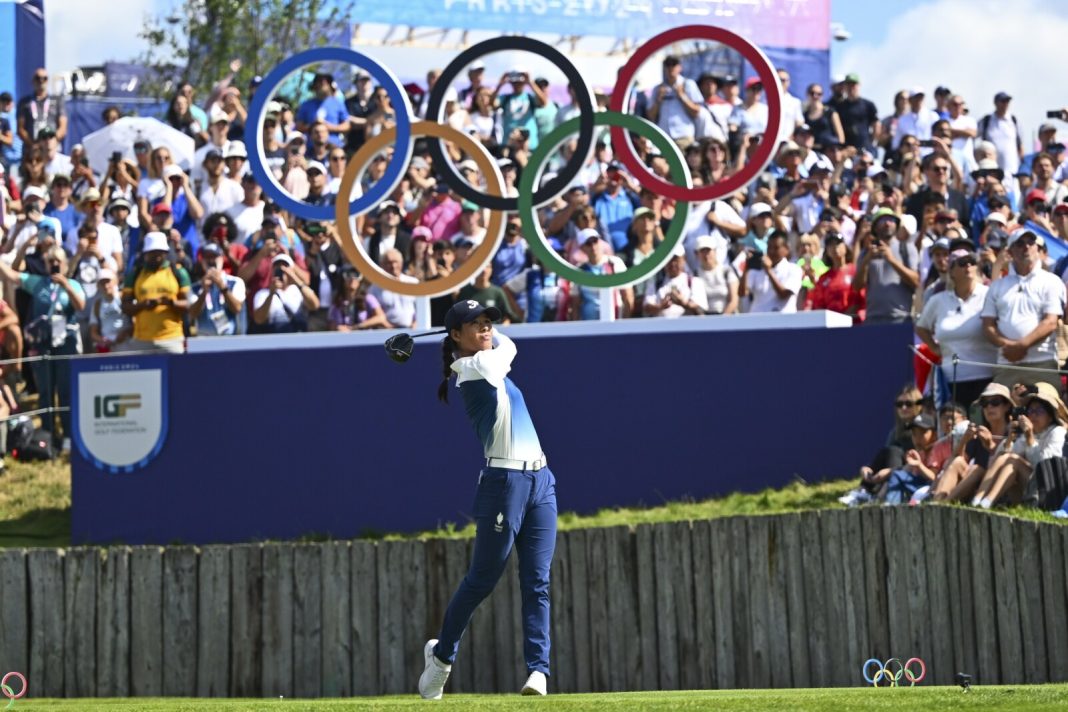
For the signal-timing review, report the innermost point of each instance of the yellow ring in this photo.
(475, 262)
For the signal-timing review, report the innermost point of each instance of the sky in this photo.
(975, 47)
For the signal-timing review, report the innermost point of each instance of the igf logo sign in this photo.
(115, 406)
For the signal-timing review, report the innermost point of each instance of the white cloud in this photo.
(976, 48)
(79, 33)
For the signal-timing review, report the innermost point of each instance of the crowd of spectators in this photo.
(925, 215)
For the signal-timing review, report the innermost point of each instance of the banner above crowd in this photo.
(802, 24)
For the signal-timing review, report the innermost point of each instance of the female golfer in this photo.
(515, 501)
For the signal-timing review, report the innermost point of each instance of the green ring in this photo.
(540, 245)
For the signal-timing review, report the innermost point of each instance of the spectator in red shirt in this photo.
(834, 289)
(256, 267)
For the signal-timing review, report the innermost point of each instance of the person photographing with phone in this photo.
(888, 270)
(284, 305)
(517, 108)
(156, 296)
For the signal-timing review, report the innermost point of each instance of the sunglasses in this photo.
(1035, 409)
(1040, 207)
(908, 403)
(993, 402)
(40, 78)
(337, 158)
(966, 262)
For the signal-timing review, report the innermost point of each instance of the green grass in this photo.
(35, 508)
(935, 699)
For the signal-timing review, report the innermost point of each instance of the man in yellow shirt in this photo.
(156, 296)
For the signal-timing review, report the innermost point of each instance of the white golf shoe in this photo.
(432, 681)
(535, 684)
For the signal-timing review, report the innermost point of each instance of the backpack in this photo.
(1048, 486)
(984, 128)
(29, 444)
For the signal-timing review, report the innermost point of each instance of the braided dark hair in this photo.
(448, 346)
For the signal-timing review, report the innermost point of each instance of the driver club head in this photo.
(399, 347)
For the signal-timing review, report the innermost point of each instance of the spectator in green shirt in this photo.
(483, 291)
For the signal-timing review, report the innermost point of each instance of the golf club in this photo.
(399, 347)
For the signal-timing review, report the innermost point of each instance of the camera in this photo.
(314, 229)
(1055, 114)
(278, 273)
(524, 134)
(294, 151)
(54, 269)
(116, 157)
(515, 76)
(927, 143)
(755, 260)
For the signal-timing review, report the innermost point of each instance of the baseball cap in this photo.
(641, 212)
(441, 187)
(705, 242)
(388, 205)
(315, 166)
(505, 163)
(59, 178)
(105, 274)
(1002, 96)
(466, 311)
(34, 191)
(916, 91)
(1046, 127)
(1035, 194)
(957, 254)
(419, 162)
(941, 243)
(923, 421)
(255, 81)
(155, 242)
(211, 248)
(46, 132)
(172, 170)
(90, 196)
(832, 236)
(996, 238)
(1017, 234)
(852, 78)
(996, 218)
(752, 82)
(160, 208)
(885, 213)
(294, 136)
(468, 207)
(789, 147)
(1060, 208)
(422, 231)
(282, 258)
(217, 115)
(119, 202)
(942, 90)
(759, 209)
(587, 234)
(142, 143)
(270, 221)
(212, 153)
(235, 149)
(477, 65)
(467, 165)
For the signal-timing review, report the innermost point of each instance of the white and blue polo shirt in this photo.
(495, 404)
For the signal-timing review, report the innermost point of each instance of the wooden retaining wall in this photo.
(798, 600)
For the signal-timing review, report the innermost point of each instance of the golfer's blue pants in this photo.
(511, 507)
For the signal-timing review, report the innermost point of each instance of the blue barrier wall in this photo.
(340, 441)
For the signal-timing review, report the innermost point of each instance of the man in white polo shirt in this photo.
(775, 283)
(1020, 316)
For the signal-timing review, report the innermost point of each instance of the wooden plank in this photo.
(704, 604)
(213, 622)
(462, 678)
(179, 620)
(146, 621)
(1010, 642)
(415, 632)
(308, 620)
(391, 619)
(561, 654)
(113, 624)
(15, 612)
(897, 592)
(365, 645)
(758, 540)
(337, 617)
(439, 588)
(664, 553)
(580, 609)
(947, 523)
(686, 627)
(839, 665)
(623, 607)
(966, 549)
(601, 641)
(646, 622)
(988, 661)
(796, 631)
(481, 650)
(740, 603)
(875, 573)
(939, 614)
(1027, 549)
(79, 590)
(45, 568)
(246, 620)
(277, 669)
(1054, 601)
(856, 609)
(817, 605)
(720, 547)
(505, 631)
(916, 562)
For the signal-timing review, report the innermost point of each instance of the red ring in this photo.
(621, 142)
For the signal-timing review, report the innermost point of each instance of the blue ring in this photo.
(402, 151)
(864, 669)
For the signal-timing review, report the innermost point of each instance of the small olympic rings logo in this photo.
(532, 194)
(8, 692)
(892, 677)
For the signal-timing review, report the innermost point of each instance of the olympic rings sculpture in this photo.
(8, 692)
(531, 194)
(893, 678)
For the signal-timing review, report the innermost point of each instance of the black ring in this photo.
(443, 166)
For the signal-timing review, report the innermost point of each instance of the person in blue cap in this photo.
(515, 500)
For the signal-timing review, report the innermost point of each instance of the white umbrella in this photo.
(120, 137)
